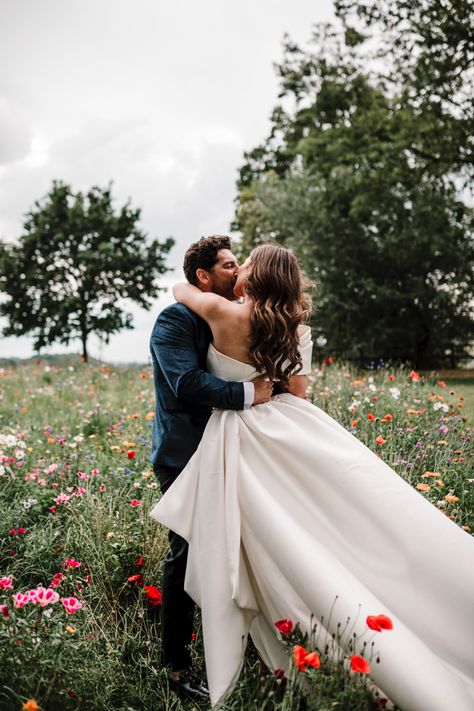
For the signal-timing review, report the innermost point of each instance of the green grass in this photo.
(68, 428)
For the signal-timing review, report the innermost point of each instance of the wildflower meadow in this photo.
(80, 558)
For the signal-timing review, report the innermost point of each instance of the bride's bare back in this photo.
(230, 323)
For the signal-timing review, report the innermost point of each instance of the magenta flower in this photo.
(135, 502)
(46, 596)
(71, 604)
(6, 583)
(4, 611)
(71, 563)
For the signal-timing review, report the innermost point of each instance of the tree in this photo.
(76, 259)
(349, 179)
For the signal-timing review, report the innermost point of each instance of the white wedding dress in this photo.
(287, 514)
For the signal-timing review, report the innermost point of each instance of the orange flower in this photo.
(380, 440)
(427, 475)
(358, 664)
(451, 499)
(303, 659)
(354, 423)
(414, 376)
(387, 418)
(30, 705)
(441, 383)
(423, 487)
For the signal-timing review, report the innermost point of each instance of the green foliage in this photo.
(361, 175)
(75, 261)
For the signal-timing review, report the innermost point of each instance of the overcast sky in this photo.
(162, 98)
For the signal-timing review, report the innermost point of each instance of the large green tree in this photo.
(355, 177)
(76, 261)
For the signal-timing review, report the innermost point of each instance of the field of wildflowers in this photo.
(80, 558)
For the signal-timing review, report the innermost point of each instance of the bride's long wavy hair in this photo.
(280, 304)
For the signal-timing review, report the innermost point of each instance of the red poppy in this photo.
(152, 594)
(303, 659)
(284, 626)
(414, 376)
(139, 561)
(354, 423)
(441, 383)
(358, 664)
(370, 417)
(379, 622)
(131, 454)
(136, 579)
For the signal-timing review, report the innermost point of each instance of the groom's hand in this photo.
(263, 390)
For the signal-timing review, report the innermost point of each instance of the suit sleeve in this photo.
(174, 346)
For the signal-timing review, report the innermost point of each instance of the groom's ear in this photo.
(203, 277)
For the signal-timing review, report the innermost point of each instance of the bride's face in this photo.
(239, 286)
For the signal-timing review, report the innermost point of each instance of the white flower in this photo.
(441, 406)
(372, 387)
(28, 503)
(370, 379)
(2, 470)
(395, 393)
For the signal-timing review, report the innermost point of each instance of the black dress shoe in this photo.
(189, 685)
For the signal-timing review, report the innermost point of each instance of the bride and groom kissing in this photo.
(275, 510)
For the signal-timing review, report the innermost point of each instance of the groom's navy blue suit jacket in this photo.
(185, 393)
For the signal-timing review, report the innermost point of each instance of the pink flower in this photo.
(45, 596)
(71, 563)
(71, 604)
(6, 583)
(20, 599)
(135, 502)
(4, 611)
(62, 498)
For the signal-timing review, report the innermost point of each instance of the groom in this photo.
(185, 395)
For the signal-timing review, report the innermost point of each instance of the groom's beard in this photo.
(225, 290)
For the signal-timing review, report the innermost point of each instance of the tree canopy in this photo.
(363, 174)
(76, 261)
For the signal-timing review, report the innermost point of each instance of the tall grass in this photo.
(83, 432)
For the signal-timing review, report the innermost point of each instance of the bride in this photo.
(288, 515)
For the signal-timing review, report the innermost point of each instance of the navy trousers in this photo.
(177, 608)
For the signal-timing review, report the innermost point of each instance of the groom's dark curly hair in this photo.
(203, 255)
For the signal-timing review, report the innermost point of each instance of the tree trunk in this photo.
(85, 355)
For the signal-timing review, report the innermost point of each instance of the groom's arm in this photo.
(173, 343)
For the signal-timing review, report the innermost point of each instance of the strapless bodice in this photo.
(228, 368)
